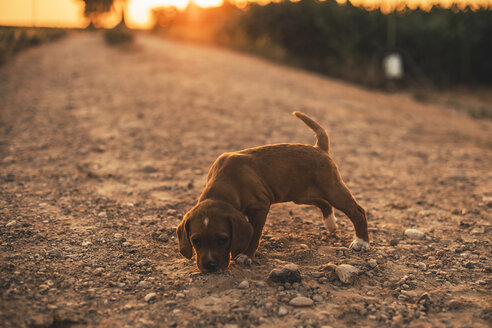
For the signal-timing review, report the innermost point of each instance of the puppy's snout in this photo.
(211, 266)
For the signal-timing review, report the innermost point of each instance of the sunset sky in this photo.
(69, 13)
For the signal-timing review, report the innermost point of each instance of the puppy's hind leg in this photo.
(341, 198)
(329, 218)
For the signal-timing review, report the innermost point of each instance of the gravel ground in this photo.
(103, 150)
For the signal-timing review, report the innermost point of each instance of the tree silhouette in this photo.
(96, 10)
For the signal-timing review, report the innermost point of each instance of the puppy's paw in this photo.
(331, 223)
(243, 259)
(359, 244)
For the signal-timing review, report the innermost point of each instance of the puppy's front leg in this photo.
(257, 219)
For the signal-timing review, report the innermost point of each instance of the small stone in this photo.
(11, 223)
(117, 236)
(300, 301)
(98, 271)
(260, 284)
(346, 273)
(244, 284)
(289, 273)
(318, 298)
(180, 295)
(372, 263)
(86, 243)
(149, 169)
(282, 311)
(422, 266)
(414, 234)
(143, 284)
(43, 288)
(150, 296)
(163, 237)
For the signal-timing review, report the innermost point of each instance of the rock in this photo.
(424, 299)
(163, 237)
(346, 273)
(318, 298)
(289, 273)
(117, 236)
(86, 243)
(98, 271)
(143, 284)
(180, 295)
(422, 266)
(282, 311)
(260, 284)
(11, 223)
(243, 285)
(414, 234)
(150, 296)
(300, 301)
(372, 263)
(149, 169)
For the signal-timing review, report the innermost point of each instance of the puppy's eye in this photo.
(222, 241)
(196, 242)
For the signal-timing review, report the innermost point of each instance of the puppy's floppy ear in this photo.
(184, 240)
(242, 231)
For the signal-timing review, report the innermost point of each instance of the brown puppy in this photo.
(241, 186)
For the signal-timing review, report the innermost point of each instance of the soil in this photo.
(104, 149)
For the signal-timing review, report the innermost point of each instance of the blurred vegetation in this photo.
(15, 39)
(443, 47)
(98, 10)
(119, 35)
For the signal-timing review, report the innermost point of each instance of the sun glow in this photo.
(69, 13)
(140, 11)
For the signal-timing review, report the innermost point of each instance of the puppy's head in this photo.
(216, 231)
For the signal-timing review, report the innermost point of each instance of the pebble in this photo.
(143, 284)
(318, 298)
(98, 271)
(244, 284)
(301, 301)
(86, 243)
(150, 296)
(372, 263)
(422, 266)
(180, 295)
(414, 234)
(260, 284)
(346, 273)
(117, 235)
(282, 311)
(149, 169)
(11, 223)
(163, 237)
(289, 273)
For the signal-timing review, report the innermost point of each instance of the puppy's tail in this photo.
(322, 141)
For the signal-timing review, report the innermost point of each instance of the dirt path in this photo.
(103, 150)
